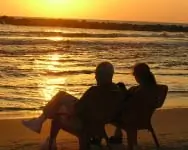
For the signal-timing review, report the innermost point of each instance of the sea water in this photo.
(37, 62)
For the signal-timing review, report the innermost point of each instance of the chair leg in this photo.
(154, 137)
(107, 140)
(53, 132)
(131, 138)
(83, 142)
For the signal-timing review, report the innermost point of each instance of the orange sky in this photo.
(128, 10)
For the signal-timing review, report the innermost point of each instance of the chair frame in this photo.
(83, 137)
(132, 130)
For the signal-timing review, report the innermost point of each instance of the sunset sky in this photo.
(127, 10)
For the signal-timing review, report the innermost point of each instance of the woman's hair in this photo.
(143, 74)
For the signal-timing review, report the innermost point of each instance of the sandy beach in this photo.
(171, 127)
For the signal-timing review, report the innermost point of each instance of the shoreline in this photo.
(171, 127)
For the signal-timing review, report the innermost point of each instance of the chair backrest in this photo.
(162, 93)
(103, 105)
(143, 104)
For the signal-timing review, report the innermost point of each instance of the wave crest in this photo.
(90, 35)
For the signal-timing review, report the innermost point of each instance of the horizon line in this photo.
(98, 20)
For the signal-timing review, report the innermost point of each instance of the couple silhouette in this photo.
(103, 103)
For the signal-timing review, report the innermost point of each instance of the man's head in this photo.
(104, 73)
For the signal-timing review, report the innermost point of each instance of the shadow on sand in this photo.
(73, 145)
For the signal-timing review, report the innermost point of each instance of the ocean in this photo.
(37, 62)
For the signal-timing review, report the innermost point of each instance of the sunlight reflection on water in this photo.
(51, 87)
(56, 38)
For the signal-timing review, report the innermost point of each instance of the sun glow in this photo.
(56, 3)
(58, 8)
(128, 10)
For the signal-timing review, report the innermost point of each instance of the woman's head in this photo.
(104, 73)
(143, 75)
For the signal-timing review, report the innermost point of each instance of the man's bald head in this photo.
(104, 73)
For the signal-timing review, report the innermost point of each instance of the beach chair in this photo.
(143, 120)
(83, 133)
(100, 110)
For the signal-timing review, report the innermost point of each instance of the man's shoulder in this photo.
(111, 86)
(133, 89)
(92, 88)
(102, 90)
